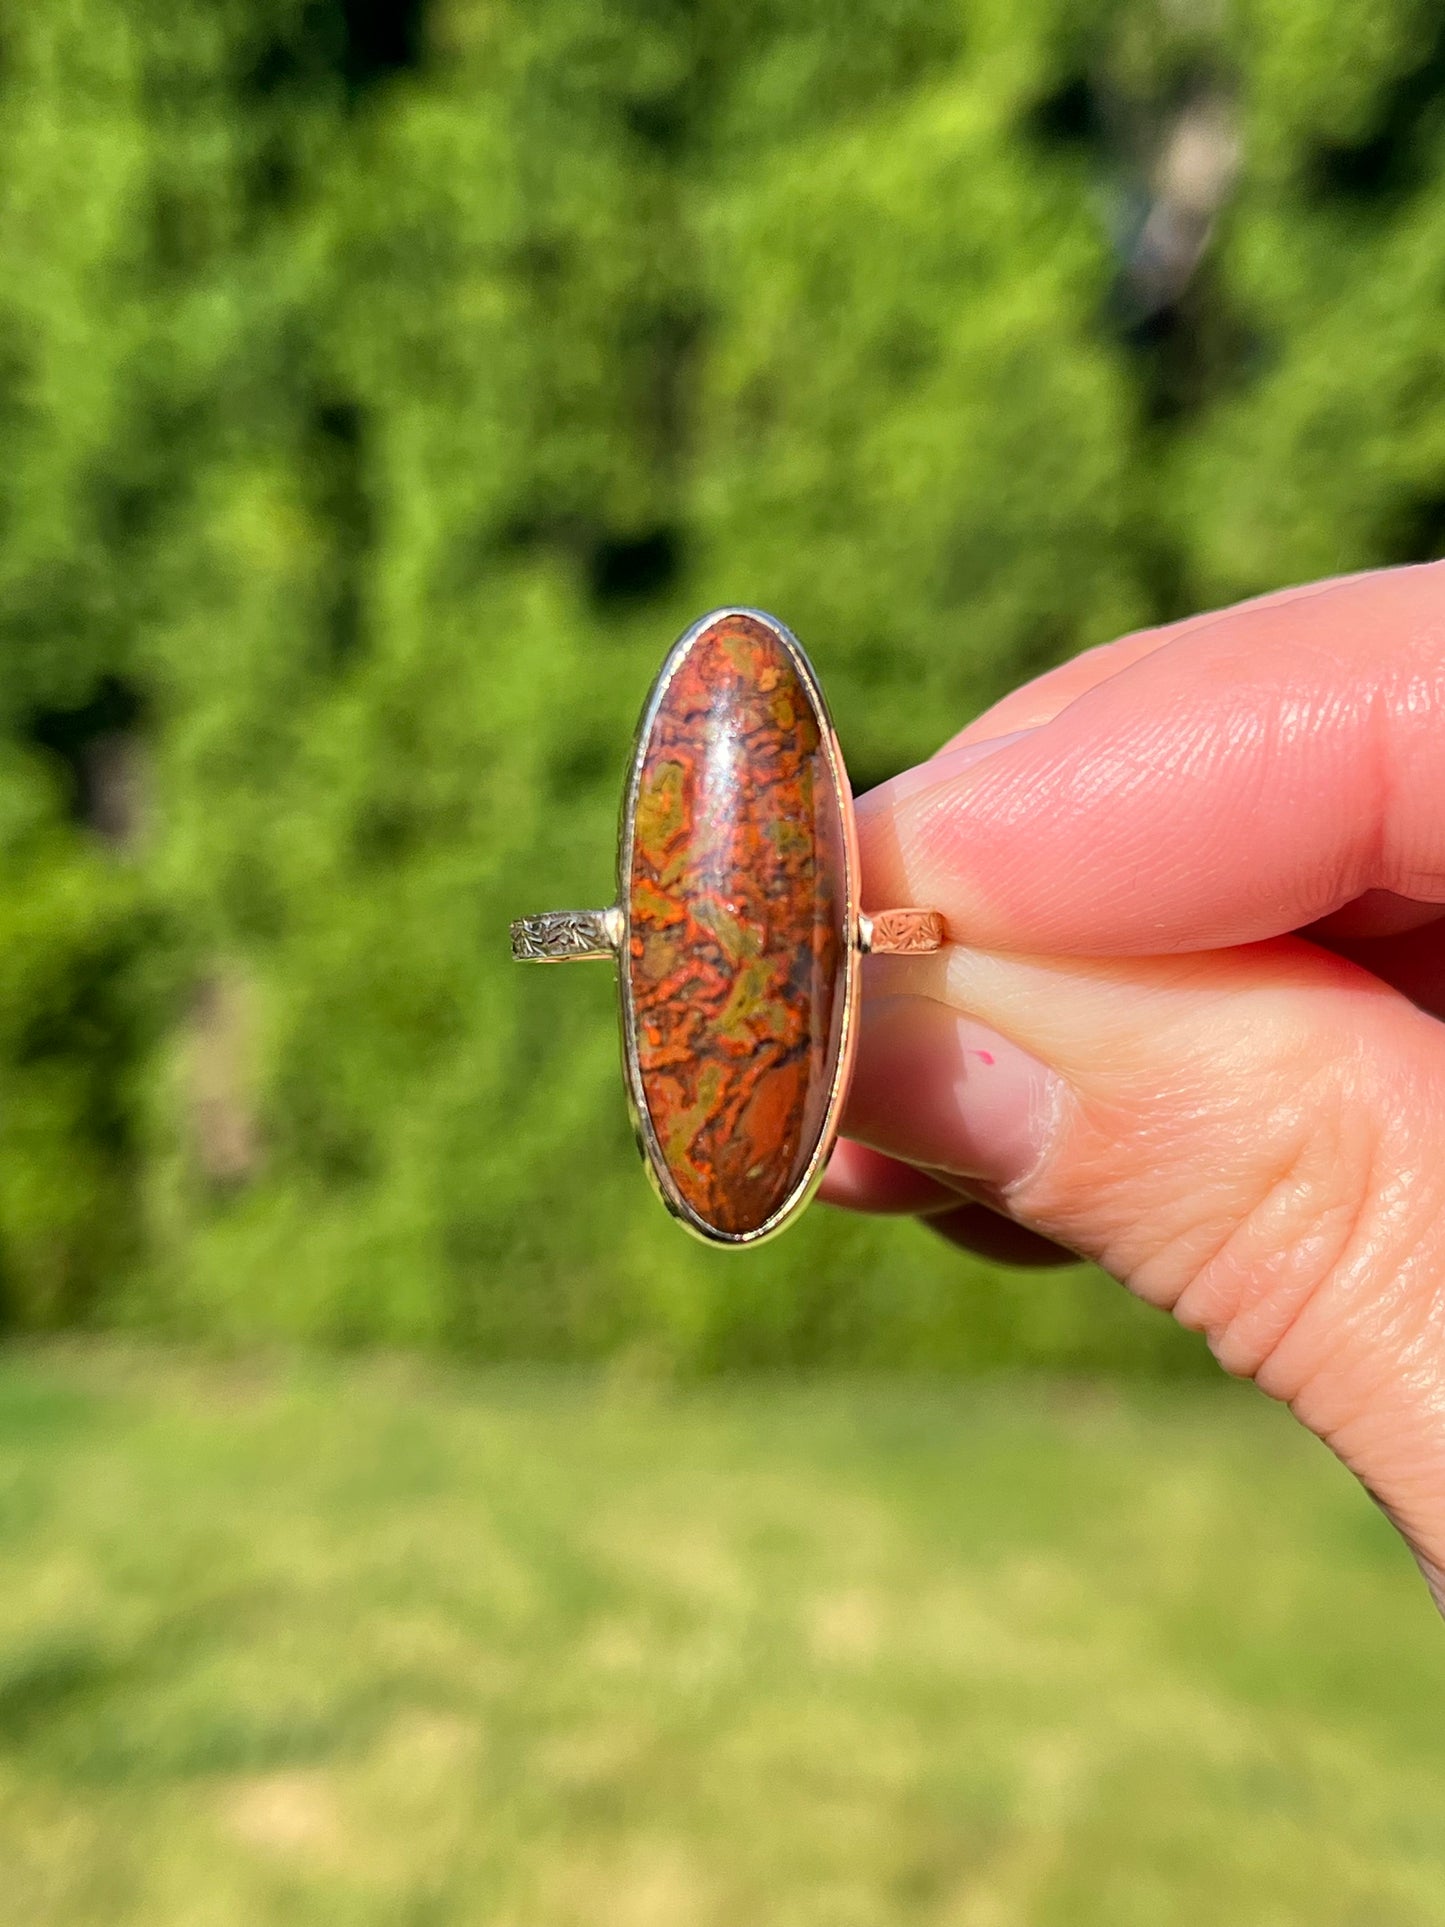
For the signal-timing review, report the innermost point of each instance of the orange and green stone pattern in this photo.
(737, 905)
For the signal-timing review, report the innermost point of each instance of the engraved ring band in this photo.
(738, 930)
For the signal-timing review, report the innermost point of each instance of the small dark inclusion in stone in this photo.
(736, 905)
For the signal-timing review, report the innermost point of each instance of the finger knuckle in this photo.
(1340, 1205)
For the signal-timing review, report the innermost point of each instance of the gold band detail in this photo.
(901, 933)
(562, 936)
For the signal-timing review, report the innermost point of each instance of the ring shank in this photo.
(562, 936)
(568, 936)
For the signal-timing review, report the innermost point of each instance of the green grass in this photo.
(377, 1643)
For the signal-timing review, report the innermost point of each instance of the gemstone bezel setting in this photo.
(810, 1158)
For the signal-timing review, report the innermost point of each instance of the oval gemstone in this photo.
(736, 904)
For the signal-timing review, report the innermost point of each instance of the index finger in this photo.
(1041, 699)
(1246, 775)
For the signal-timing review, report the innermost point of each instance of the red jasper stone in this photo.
(737, 898)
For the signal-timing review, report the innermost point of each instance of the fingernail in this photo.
(938, 769)
(938, 1089)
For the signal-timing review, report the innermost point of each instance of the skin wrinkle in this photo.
(1135, 1102)
(1173, 1258)
(1277, 1271)
(1308, 1164)
(1420, 1359)
(1246, 744)
(1395, 1417)
(1376, 1283)
(1168, 1266)
(1108, 1230)
(1162, 1268)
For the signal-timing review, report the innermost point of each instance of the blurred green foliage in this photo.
(308, 1643)
(380, 391)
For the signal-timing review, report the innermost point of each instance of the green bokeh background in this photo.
(382, 387)
(380, 391)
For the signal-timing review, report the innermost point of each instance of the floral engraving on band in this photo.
(905, 933)
(562, 934)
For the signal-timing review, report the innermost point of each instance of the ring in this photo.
(738, 930)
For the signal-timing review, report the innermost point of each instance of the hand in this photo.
(1190, 1021)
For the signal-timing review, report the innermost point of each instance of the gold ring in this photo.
(738, 929)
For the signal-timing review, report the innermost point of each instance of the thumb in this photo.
(1248, 1138)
